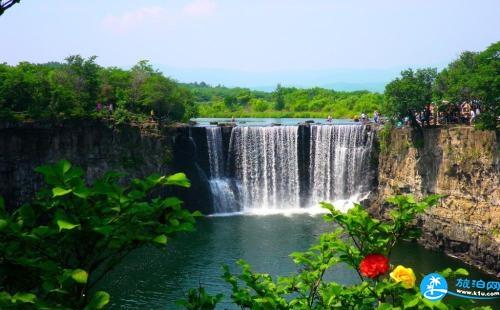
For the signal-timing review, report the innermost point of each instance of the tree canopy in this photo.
(78, 86)
(474, 76)
(319, 102)
(409, 93)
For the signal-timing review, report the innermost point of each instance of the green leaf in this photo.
(24, 298)
(64, 165)
(410, 300)
(57, 191)
(461, 272)
(5, 297)
(197, 213)
(174, 222)
(446, 273)
(98, 301)
(63, 222)
(3, 224)
(178, 179)
(81, 192)
(385, 306)
(172, 201)
(79, 275)
(161, 239)
(27, 214)
(66, 225)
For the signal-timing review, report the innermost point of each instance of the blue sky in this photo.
(254, 42)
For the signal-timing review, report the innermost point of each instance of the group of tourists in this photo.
(446, 113)
(363, 118)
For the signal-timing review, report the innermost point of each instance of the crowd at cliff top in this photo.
(446, 113)
(433, 115)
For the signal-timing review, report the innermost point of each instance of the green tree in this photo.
(259, 105)
(474, 76)
(409, 93)
(55, 250)
(24, 88)
(279, 98)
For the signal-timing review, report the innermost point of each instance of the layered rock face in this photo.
(96, 147)
(461, 163)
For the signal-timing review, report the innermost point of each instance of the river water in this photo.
(154, 279)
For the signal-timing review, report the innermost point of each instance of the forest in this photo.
(80, 87)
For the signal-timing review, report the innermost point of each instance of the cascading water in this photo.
(223, 192)
(260, 172)
(339, 162)
(266, 164)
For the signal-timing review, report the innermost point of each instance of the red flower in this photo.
(374, 265)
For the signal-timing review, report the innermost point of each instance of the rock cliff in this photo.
(96, 146)
(460, 163)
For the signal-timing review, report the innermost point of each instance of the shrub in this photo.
(359, 242)
(54, 250)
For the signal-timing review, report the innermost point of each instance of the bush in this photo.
(359, 242)
(55, 250)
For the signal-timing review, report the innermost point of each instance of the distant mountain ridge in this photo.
(338, 79)
(373, 87)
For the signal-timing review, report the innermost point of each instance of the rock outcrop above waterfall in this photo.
(461, 163)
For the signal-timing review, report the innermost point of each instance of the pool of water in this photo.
(152, 279)
(270, 121)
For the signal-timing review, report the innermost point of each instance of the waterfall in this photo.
(223, 191)
(261, 170)
(339, 162)
(266, 164)
(215, 152)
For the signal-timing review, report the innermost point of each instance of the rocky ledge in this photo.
(460, 163)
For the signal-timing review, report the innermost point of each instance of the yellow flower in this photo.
(403, 275)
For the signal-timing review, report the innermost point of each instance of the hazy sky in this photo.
(256, 36)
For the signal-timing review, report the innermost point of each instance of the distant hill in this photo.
(373, 87)
(339, 79)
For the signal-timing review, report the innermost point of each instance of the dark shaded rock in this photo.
(97, 146)
(198, 196)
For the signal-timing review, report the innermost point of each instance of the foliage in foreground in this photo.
(55, 250)
(360, 242)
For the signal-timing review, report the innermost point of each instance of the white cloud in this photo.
(200, 7)
(123, 23)
(133, 19)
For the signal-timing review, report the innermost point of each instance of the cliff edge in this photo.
(460, 163)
